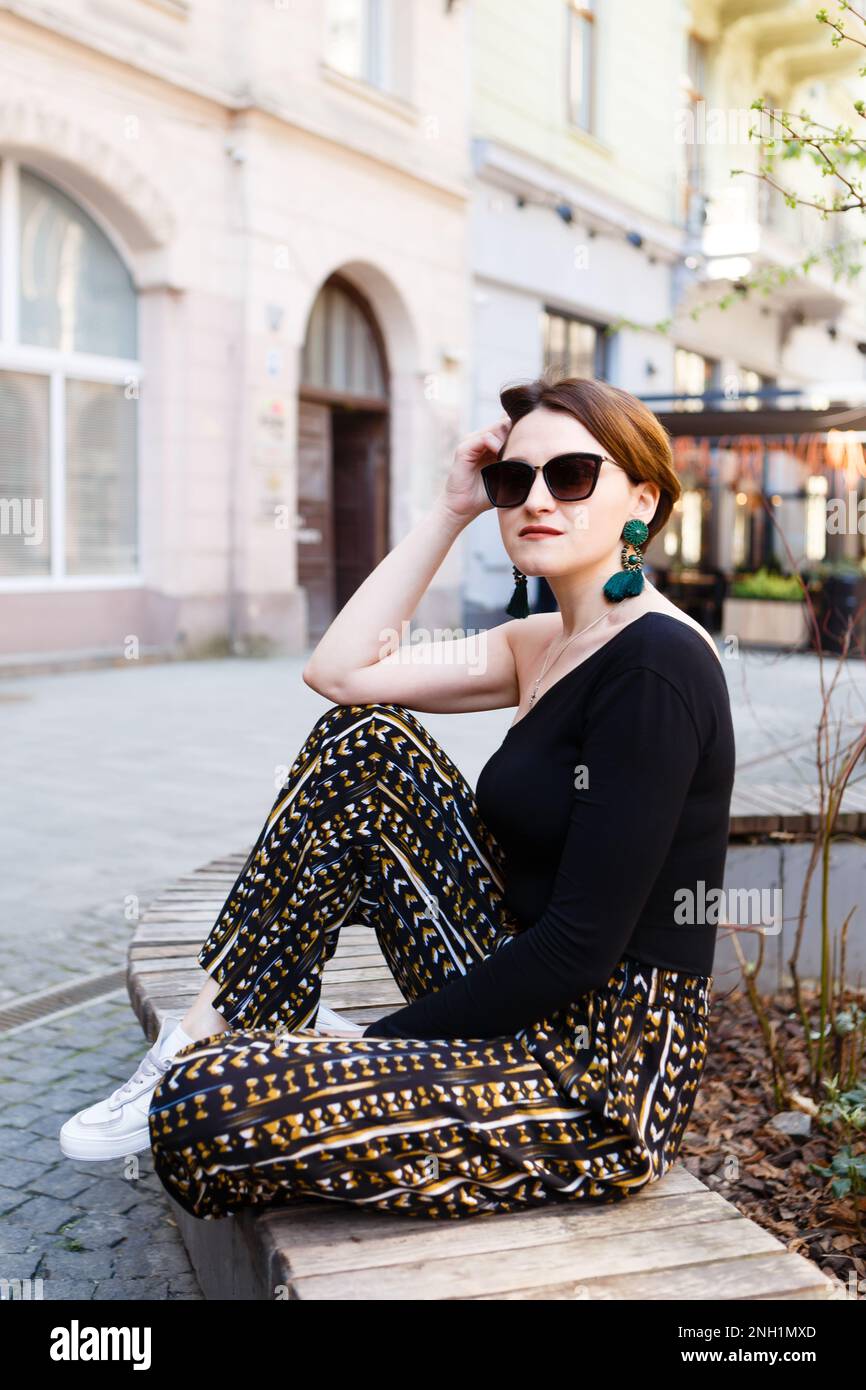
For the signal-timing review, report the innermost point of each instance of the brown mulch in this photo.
(731, 1147)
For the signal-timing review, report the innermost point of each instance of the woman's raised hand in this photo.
(463, 493)
(359, 660)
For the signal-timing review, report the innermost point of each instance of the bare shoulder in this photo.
(663, 605)
(529, 636)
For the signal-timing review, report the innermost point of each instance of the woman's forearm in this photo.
(388, 597)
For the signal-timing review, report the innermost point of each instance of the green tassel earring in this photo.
(628, 581)
(518, 606)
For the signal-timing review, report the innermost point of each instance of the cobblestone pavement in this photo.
(84, 1229)
(118, 781)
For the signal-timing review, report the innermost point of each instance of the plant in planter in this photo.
(765, 584)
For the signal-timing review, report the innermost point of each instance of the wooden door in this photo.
(360, 497)
(316, 568)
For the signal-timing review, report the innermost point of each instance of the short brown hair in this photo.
(622, 424)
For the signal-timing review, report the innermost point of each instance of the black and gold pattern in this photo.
(376, 825)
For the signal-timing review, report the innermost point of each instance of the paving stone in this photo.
(65, 1290)
(41, 1074)
(12, 1091)
(60, 1182)
(39, 1214)
(164, 1259)
(130, 1245)
(17, 1240)
(112, 1198)
(47, 1127)
(59, 1263)
(13, 1171)
(146, 1290)
(22, 1114)
(96, 1230)
(19, 1264)
(16, 1143)
(11, 1197)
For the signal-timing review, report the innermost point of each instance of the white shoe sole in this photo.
(329, 1018)
(101, 1150)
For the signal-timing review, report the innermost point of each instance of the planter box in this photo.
(841, 599)
(766, 622)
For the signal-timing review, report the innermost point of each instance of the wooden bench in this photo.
(675, 1240)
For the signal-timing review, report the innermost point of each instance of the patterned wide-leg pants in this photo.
(376, 825)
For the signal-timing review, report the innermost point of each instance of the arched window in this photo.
(341, 353)
(69, 376)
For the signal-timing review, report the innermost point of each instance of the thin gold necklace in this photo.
(558, 655)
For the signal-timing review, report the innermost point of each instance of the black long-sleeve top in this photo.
(611, 799)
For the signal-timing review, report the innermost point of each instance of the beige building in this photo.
(263, 264)
(234, 312)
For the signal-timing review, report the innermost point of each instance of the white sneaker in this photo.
(329, 1018)
(118, 1125)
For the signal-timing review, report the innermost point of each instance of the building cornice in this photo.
(528, 177)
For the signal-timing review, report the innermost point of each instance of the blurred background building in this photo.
(263, 264)
(603, 137)
(235, 317)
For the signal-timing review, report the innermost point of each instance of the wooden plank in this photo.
(171, 1001)
(580, 1257)
(786, 805)
(741, 1279)
(182, 915)
(313, 1241)
(162, 985)
(158, 933)
(142, 955)
(770, 798)
(183, 891)
(164, 981)
(355, 974)
(208, 879)
(790, 806)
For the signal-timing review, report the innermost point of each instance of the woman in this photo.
(545, 936)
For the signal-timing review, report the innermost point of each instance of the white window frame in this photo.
(16, 356)
(377, 68)
(582, 12)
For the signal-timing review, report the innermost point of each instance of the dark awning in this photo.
(823, 440)
(717, 424)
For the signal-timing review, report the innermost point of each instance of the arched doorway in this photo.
(342, 451)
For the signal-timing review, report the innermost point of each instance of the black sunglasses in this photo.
(569, 478)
